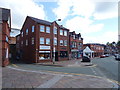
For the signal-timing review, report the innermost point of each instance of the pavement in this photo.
(15, 77)
(67, 63)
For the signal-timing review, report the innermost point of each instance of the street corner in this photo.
(83, 81)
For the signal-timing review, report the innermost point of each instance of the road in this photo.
(105, 67)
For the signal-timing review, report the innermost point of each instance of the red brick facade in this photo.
(76, 45)
(5, 34)
(36, 41)
(97, 48)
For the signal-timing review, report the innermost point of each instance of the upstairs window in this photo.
(26, 42)
(65, 33)
(55, 41)
(42, 40)
(65, 42)
(48, 41)
(33, 28)
(22, 34)
(61, 32)
(26, 31)
(47, 29)
(61, 42)
(55, 30)
(73, 36)
(21, 42)
(42, 28)
(6, 39)
(32, 40)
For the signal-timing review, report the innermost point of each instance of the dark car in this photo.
(85, 59)
(117, 57)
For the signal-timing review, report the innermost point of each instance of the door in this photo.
(56, 56)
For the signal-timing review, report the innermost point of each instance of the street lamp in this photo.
(54, 49)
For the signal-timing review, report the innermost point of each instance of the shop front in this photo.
(75, 54)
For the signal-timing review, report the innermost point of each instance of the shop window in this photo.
(47, 29)
(63, 54)
(42, 28)
(44, 55)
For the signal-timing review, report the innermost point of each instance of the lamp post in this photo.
(54, 49)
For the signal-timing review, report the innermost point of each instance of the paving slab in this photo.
(23, 79)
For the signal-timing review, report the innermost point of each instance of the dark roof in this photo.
(5, 14)
(63, 27)
(40, 21)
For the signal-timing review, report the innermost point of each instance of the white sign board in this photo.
(44, 47)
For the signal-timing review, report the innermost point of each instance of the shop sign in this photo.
(44, 47)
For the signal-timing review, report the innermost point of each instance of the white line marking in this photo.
(94, 71)
(41, 72)
(51, 82)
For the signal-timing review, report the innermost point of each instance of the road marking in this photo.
(51, 82)
(94, 71)
(65, 74)
(15, 65)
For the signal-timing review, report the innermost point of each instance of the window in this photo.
(22, 34)
(48, 41)
(75, 44)
(55, 30)
(17, 45)
(61, 42)
(65, 33)
(73, 36)
(63, 54)
(26, 42)
(42, 40)
(32, 40)
(80, 38)
(42, 28)
(21, 42)
(65, 42)
(44, 55)
(26, 31)
(6, 39)
(61, 32)
(18, 38)
(55, 41)
(33, 28)
(47, 29)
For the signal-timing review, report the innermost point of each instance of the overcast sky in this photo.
(96, 20)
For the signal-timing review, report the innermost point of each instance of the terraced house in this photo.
(40, 41)
(76, 45)
(5, 28)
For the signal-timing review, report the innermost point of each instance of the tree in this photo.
(118, 43)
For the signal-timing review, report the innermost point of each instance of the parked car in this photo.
(117, 57)
(102, 56)
(107, 55)
(85, 59)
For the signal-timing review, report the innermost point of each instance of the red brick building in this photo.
(97, 48)
(5, 28)
(76, 45)
(36, 41)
